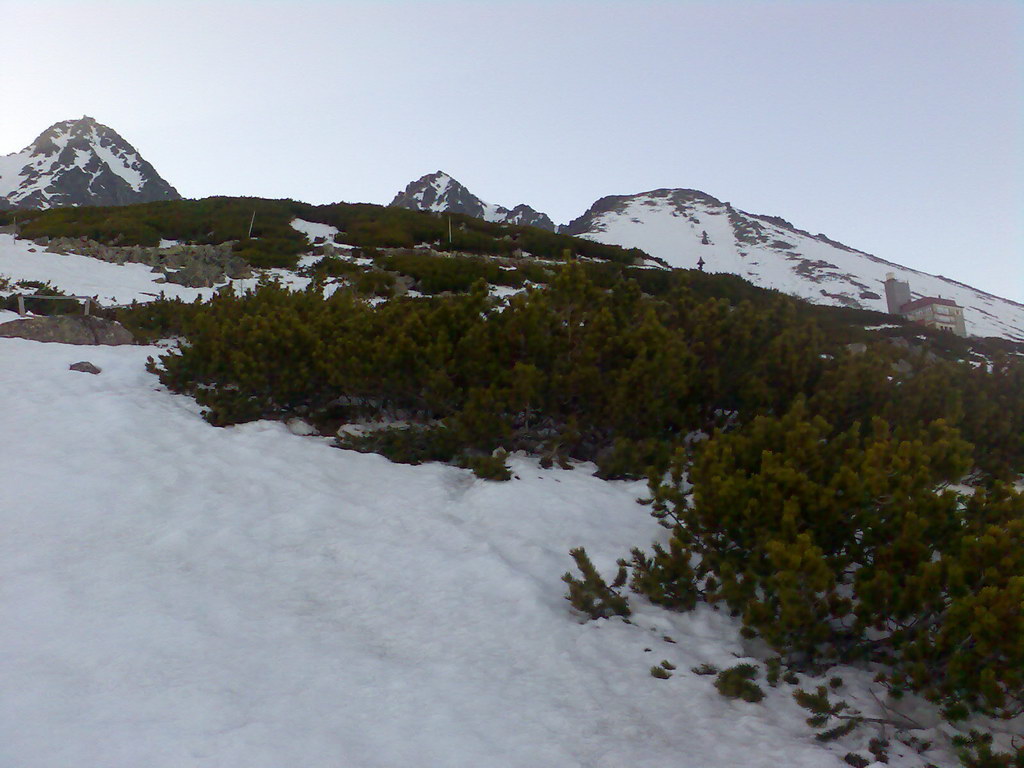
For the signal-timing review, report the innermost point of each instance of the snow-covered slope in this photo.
(438, 192)
(684, 225)
(179, 595)
(79, 162)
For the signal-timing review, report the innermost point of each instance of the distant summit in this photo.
(438, 192)
(79, 162)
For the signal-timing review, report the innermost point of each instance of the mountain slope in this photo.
(438, 192)
(79, 162)
(682, 226)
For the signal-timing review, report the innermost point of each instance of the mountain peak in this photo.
(79, 162)
(439, 192)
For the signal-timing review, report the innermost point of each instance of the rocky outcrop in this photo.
(195, 266)
(69, 329)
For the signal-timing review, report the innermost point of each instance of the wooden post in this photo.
(21, 304)
(86, 306)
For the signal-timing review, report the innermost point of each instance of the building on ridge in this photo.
(931, 311)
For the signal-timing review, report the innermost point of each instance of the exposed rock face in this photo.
(68, 329)
(195, 266)
(79, 162)
(438, 192)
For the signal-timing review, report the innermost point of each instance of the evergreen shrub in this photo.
(843, 546)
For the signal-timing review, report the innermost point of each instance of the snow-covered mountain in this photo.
(685, 226)
(79, 162)
(440, 192)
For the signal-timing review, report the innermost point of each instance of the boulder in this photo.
(85, 367)
(68, 329)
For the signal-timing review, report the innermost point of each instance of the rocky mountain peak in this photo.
(79, 162)
(438, 192)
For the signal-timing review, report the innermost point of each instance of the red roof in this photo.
(924, 302)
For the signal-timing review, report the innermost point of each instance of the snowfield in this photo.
(175, 594)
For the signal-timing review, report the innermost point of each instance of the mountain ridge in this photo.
(688, 228)
(84, 163)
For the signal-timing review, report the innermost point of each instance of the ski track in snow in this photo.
(175, 594)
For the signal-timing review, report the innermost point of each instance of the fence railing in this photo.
(86, 301)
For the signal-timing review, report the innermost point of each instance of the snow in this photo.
(86, 276)
(82, 158)
(124, 166)
(313, 230)
(283, 277)
(494, 213)
(10, 171)
(504, 291)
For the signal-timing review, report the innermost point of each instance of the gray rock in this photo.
(903, 367)
(195, 266)
(68, 329)
(85, 367)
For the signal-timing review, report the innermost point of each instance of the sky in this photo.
(894, 127)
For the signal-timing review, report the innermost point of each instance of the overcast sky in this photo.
(894, 127)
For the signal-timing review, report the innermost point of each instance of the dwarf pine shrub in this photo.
(591, 594)
(738, 683)
(848, 546)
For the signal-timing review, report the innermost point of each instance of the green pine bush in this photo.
(591, 594)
